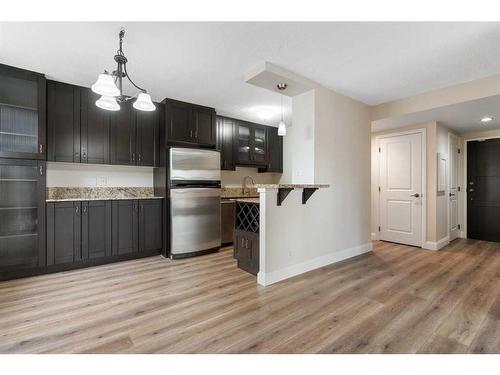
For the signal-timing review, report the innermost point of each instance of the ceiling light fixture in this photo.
(282, 125)
(111, 94)
(487, 119)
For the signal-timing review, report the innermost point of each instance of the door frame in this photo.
(463, 199)
(448, 185)
(423, 134)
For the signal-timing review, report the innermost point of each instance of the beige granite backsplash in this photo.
(82, 193)
(237, 192)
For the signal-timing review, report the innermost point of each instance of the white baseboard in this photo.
(374, 236)
(309, 265)
(461, 234)
(430, 245)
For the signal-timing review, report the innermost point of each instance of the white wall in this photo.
(298, 144)
(335, 222)
(91, 175)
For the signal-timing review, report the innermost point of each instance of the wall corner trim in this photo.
(430, 245)
(269, 278)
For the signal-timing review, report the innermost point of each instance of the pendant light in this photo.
(111, 94)
(282, 125)
(108, 102)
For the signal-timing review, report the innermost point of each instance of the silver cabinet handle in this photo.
(41, 170)
(133, 156)
(84, 209)
(40, 147)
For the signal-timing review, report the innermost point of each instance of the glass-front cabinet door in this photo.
(243, 143)
(22, 114)
(22, 214)
(259, 146)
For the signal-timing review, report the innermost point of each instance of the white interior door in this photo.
(401, 189)
(453, 187)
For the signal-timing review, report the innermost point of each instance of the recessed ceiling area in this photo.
(205, 62)
(463, 117)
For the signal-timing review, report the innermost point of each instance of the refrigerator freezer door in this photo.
(195, 220)
(187, 164)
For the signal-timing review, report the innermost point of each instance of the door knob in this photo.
(452, 194)
(416, 195)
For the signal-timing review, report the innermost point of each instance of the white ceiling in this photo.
(205, 62)
(463, 117)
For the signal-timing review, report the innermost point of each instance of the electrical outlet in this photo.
(102, 181)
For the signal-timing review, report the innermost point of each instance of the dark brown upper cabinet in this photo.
(63, 121)
(204, 125)
(94, 130)
(134, 136)
(189, 124)
(225, 136)
(22, 114)
(274, 151)
(250, 144)
(81, 132)
(78, 130)
(123, 136)
(147, 130)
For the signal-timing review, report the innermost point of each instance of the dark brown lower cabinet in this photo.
(125, 227)
(246, 250)
(22, 215)
(78, 231)
(63, 232)
(95, 230)
(150, 228)
(137, 226)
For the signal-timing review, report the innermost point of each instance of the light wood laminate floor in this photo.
(398, 299)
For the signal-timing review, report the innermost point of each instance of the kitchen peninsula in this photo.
(248, 232)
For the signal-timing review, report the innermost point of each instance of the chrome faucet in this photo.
(245, 183)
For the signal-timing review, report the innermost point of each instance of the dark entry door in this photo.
(483, 190)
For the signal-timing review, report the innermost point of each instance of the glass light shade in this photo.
(144, 102)
(108, 103)
(105, 86)
(282, 128)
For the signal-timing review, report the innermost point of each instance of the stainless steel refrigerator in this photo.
(195, 226)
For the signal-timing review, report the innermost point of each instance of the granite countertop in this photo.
(291, 186)
(248, 200)
(70, 194)
(101, 199)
